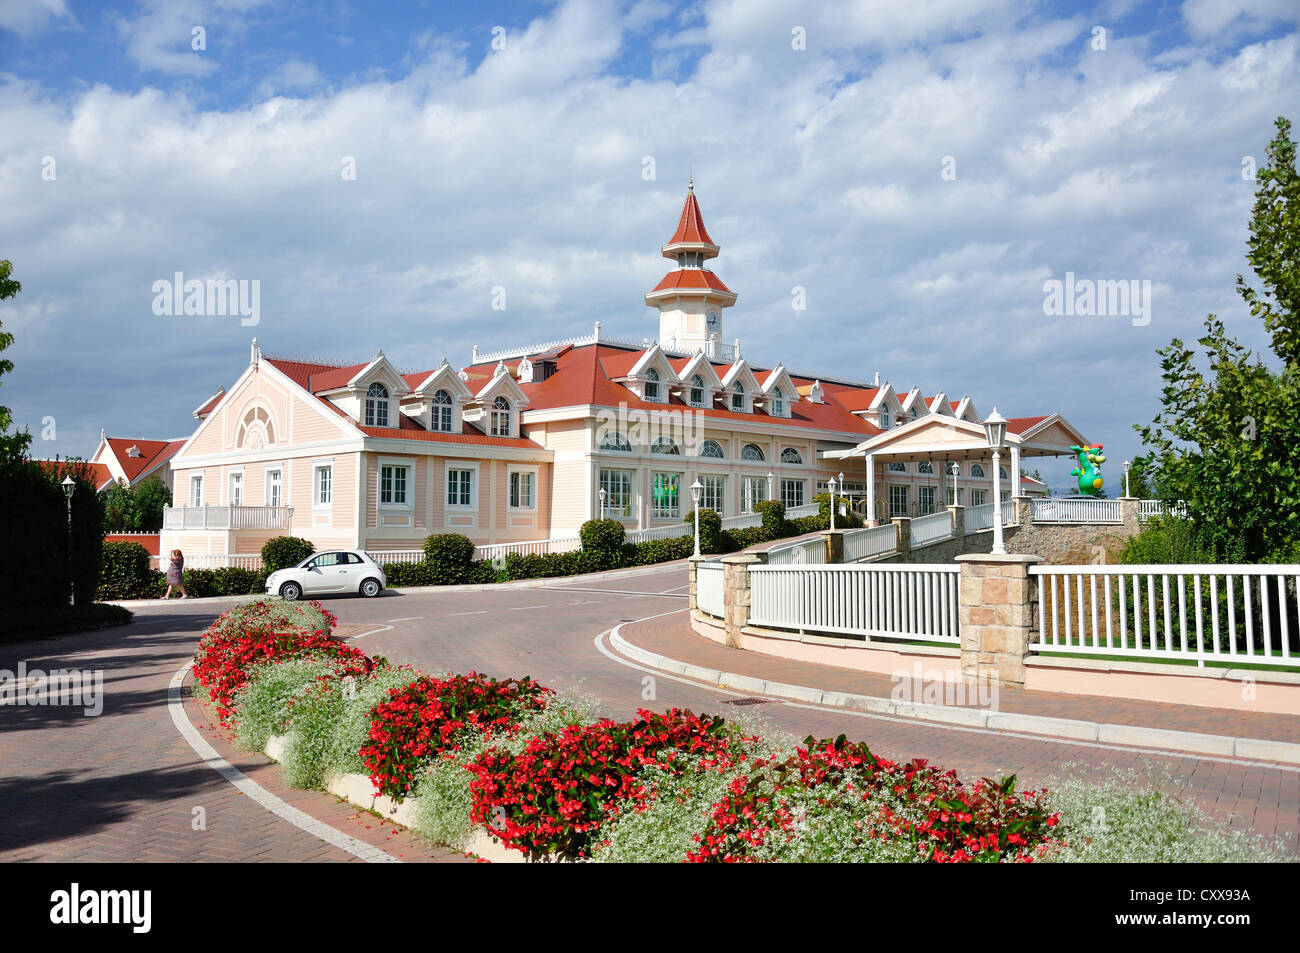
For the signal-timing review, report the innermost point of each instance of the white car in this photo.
(335, 571)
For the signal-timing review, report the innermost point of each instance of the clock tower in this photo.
(690, 298)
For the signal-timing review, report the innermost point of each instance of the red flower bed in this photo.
(424, 718)
(221, 664)
(552, 796)
(986, 821)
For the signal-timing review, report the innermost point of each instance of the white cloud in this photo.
(30, 17)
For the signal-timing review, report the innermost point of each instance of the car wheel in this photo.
(290, 592)
(371, 588)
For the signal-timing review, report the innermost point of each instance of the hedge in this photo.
(282, 552)
(124, 572)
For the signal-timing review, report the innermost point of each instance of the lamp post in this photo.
(832, 485)
(601, 494)
(1127, 464)
(771, 482)
(70, 487)
(696, 489)
(842, 493)
(995, 431)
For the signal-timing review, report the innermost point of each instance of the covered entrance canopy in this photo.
(945, 440)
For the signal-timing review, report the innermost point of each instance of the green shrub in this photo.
(660, 551)
(291, 618)
(710, 530)
(124, 572)
(232, 581)
(1168, 540)
(285, 551)
(773, 513)
(200, 583)
(264, 704)
(605, 538)
(450, 558)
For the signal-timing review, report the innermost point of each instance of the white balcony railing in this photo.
(708, 591)
(865, 543)
(932, 528)
(1076, 510)
(227, 517)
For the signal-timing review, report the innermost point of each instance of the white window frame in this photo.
(791, 499)
(921, 493)
(720, 455)
(395, 464)
(697, 384)
(495, 415)
(317, 468)
(196, 489)
(436, 411)
(235, 487)
(629, 476)
(907, 499)
(658, 513)
(977, 496)
(278, 483)
(459, 465)
(653, 386)
(380, 403)
(511, 473)
(753, 490)
(714, 495)
(762, 454)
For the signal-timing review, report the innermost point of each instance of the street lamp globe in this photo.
(995, 430)
(69, 487)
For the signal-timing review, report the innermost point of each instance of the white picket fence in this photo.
(807, 509)
(932, 528)
(875, 600)
(1152, 508)
(708, 587)
(1215, 612)
(497, 552)
(807, 552)
(671, 531)
(1080, 509)
(743, 521)
(397, 556)
(865, 543)
(251, 561)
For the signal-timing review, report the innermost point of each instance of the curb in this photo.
(1192, 742)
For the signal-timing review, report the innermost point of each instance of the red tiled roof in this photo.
(212, 402)
(690, 227)
(1021, 424)
(153, 453)
(691, 278)
(99, 472)
(334, 377)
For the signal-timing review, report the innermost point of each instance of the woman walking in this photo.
(176, 575)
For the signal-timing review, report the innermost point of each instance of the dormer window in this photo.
(501, 417)
(652, 385)
(442, 407)
(697, 391)
(738, 398)
(377, 406)
(778, 403)
(884, 418)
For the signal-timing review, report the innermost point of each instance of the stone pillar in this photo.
(735, 594)
(1024, 510)
(996, 617)
(957, 515)
(904, 551)
(1129, 506)
(693, 565)
(834, 545)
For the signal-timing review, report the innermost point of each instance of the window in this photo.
(898, 468)
(377, 406)
(1005, 495)
(791, 455)
(792, 493)
(976, 497)
(752, 451)
(665, 445)
(925, 467)
(196, 491)
(323, 480)
(897, 500)
(274, 494)
(925, 499)
(442, 405)
(460, 487)
(977, 471)
(1002, 472)
(884, 418)
(713, 496)
(697, 391)
(738, 398)
(615, 441)
(501, 417)
(393, 481)
(652, 385)
(617, 485)
(664, 503)
(778, 403)
(711, 448)
(236, 489)
(754, 491)
(522, 486)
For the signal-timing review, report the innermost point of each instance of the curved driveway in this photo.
(124, 785)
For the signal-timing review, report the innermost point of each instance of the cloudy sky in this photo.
(919, 169)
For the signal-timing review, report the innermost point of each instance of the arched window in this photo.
(898, 468)
(711, 448)
(778, 403)
(1002, 472)
(752, 451)
(925, 467)
(738, 398)
(501, 417)
(377, 406)
(615, 441)
(442, 412)
(665, 445)
(791, 455)
(697, 391)
(884, 418)
(652, 385)
(977, 471)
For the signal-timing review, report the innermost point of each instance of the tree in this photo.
(11, 445)
(150, 498)
(119, 508)
(1225, 441)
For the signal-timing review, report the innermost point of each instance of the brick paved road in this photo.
(123, 786)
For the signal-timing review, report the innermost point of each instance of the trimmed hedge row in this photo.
(125, 574)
